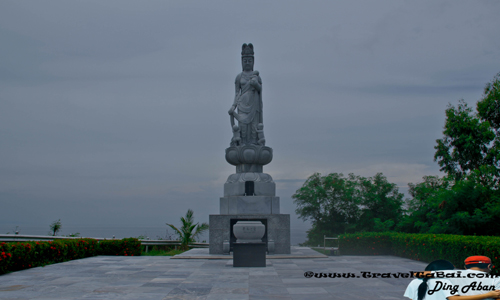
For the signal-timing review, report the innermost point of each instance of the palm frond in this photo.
(200, 229)
(185, 232)
(177, 231)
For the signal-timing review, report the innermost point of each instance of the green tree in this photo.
(336, 204)
(472, 139)
(472, 205)
(466, 145)
(55, 227)
(421, 192)
(380, 200)
(488, 107)
(330, 202)
(422, 208)
(189, 230)
(467, 200)
(466, 207)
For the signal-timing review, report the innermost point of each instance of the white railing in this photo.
(24, 237)
(144, 242)
(166, 242)
(148, 243)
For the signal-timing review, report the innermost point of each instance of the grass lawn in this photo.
(322, 251)
(160, 252)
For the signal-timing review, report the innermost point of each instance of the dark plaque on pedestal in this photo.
(249, 255)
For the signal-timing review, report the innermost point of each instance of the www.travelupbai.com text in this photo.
(411, 274)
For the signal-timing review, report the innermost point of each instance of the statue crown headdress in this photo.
(247, 50)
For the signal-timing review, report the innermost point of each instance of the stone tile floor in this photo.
(295, 252)
(160, 277)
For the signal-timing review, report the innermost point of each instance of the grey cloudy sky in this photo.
(115, 112)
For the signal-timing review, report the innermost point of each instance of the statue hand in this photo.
(231, 110)
(254, 82)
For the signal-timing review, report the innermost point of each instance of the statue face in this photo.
(247, 63)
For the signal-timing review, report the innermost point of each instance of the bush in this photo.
(422, 247)
(5, 258)
(365, 243)
(23, 255)
(126, 247)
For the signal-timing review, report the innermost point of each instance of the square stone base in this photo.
(277, 229)
(249, 255)
(249, 205)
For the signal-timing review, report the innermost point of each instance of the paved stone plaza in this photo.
(161, 277)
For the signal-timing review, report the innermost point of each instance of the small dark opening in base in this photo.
(249, 188)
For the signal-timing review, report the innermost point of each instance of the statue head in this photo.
(236, 128)
(247, 57)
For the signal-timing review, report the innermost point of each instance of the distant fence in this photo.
(147, 243)
(26, 238)
(166, 243)
(334, 249)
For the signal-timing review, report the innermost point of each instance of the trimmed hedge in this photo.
(23, 255)
(422, 247)
(365, 244)
(125, 247)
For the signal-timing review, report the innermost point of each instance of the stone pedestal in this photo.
(249, 184)
(248, 205)
(249, 231)
(249, 194)
(277, 230)
(249, 255)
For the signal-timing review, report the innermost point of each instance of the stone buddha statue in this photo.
(247, 99)
(247, 150)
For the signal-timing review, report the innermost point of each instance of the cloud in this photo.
(116, 112)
